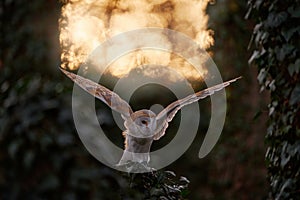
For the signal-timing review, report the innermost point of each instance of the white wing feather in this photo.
(166, 115)
(107, 96)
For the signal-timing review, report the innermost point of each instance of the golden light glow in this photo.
(85, 24)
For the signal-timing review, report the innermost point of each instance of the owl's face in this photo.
(143, 123)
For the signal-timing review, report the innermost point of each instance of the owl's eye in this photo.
(144, 122)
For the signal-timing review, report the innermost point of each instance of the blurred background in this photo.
(41, 155)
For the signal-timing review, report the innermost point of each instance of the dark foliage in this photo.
(156, 185)
(276, 54)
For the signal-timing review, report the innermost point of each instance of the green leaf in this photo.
(287, 34)
(184, 179)
(262, 75)
(282, 52)
(13, 148)
(295, 96)
(257, 115)
(285, 156)
(295, 12)
(294, 67)
(253, 57)
(271, 110)
(276, 19)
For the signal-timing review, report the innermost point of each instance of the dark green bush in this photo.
(276, 54)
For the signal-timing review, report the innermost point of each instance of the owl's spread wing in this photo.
(166, 115)
(108, 97)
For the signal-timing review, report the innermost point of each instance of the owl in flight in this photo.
(142, 126)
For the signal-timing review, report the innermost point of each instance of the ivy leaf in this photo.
(276, 19)
(253, 57)
(287, 34)
(271, 110)
(282, 52)
(295, 12)
(257, 27)
(295, 96)
(13, 148)
(294, 67)
(262, 76)
(258, 3)
(184, 179)
(257, 115)
(285, 188)
(285, 156)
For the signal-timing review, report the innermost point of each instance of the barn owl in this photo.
(142, 126)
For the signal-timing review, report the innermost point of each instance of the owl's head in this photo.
(143, 123)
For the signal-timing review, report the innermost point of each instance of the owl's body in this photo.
(136, 150)
(143, 126)
(139, 136)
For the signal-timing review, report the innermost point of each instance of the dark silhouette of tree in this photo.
(276, 54)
